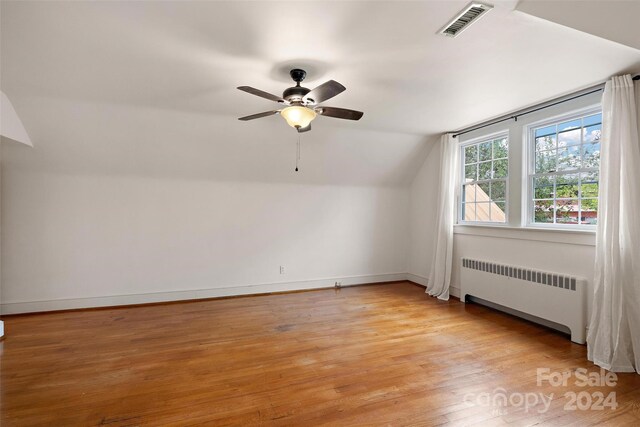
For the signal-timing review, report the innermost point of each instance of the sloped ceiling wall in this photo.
(149, 87)
(615, 20)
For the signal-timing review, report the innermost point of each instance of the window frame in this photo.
(529, 172)
(461, 176)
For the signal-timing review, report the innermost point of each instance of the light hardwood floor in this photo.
(369, 355)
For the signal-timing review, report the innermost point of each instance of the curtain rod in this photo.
(542, 106)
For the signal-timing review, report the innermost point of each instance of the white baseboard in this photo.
(116, 300)
(420, 280)
(454, 291)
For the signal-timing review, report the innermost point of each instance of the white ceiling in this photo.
(615, 20)
(148, 88)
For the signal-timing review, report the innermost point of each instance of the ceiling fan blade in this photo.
(340, 113)
(323, 92)
(262, 94)
(305, 129)
(259, 115)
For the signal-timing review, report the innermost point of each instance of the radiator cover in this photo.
(559, 298)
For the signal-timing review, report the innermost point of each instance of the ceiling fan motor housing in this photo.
(296, 93)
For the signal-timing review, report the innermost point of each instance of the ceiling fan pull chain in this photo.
(297, 152)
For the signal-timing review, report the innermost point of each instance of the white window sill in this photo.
(559, 235)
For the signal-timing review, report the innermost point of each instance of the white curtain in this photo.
(614, 332)
(440, 276)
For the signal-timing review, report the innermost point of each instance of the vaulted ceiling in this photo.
(148, 88)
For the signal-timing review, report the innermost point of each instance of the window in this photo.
(564, 158)
(484, 180)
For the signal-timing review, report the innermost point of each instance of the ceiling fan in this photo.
(302, 103)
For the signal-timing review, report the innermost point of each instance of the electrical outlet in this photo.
(282, 269)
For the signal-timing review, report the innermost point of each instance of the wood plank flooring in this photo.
(369, 355)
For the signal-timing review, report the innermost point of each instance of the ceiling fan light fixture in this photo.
(297, 116)
(302, 104)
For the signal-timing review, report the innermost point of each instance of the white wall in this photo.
(422, 216)
(1, 322)
(83, 240)
(558, 251)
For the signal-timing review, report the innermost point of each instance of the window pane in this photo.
(484, 161)
(589, 184)
(546, 131)
(498, 190)
(567, 186)
(543, 187)
(571, 124)
(484, 170)
(500, 168)
(567, 211)
(469, 193)
(483, 211)
(591, 155)
(564, 179)
(482, 192)
(592, 134)
(500, 148)
(546, 142)
(543, 211)
(546, 161)
(471, 154)
(571, 137)
(485, 151)
(498, 212)
(592, 120)
(469, 211)
(471, 172)
(569, 158)
(589, 213)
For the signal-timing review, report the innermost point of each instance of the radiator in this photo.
(558, 298)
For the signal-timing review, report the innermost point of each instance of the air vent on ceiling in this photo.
(469, 14)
